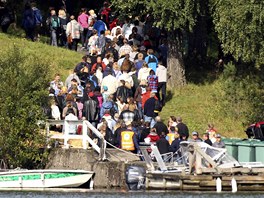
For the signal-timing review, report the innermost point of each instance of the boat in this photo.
(44, 178)
(197, 166)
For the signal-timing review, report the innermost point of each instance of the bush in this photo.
(242, 88)
(22, 94)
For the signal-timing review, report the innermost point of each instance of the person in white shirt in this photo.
(162, 78)
(72, 117)
(110, 82)
(143, 73)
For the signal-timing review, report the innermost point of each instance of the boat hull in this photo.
(44, 178)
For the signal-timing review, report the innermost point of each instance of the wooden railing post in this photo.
(66, 133)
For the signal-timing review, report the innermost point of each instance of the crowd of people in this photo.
(120, 85)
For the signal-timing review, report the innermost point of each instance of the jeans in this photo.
(140, 110)
(53, 38)
(150, 120)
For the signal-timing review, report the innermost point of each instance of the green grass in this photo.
(198, 105)
(60, 60)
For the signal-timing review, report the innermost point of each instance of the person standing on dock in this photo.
(182, 128)
(128, 139)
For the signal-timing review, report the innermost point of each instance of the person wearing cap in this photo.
(195, 137)
(206, 139)
(128, 140)
(218, 143)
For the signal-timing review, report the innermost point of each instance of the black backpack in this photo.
(152, 59)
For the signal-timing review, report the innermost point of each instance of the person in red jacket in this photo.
(153, 136)
(98, 63)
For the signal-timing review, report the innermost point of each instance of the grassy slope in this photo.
(61, 60)
(193, 103)
(197, 106)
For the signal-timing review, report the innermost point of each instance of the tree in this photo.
(240, 28)
(24, 79)
(177, 17)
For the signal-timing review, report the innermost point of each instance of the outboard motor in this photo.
(135, 177)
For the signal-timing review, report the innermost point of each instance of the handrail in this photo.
(85, 137)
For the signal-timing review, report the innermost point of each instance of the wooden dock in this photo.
(248, 179)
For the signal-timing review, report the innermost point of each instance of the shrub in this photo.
(23, 92)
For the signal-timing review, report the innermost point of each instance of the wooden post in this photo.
(198, 163)
(66, 133)
(84, 135)
(191, 157)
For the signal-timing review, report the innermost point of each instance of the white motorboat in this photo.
(47, 178)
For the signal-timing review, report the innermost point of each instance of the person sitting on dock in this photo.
(163, 144)
(195, 137)
(206, 139)
(218, 143)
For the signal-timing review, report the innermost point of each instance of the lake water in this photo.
(122, 194)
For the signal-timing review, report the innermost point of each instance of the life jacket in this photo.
(170, 137)
(127, 140)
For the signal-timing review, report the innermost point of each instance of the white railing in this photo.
(84, 137)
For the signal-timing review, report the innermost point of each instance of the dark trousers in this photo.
(84, 37)
(74, 44)
(162, 87)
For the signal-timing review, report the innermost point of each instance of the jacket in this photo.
(161, 73)
(149, 107)
(153, 137)
(91, 110)
(123, 92)
(74, 29)
(163, 145)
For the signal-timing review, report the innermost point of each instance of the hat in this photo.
(105, 88)
(128, 123)
(194, 133)
(218, 136)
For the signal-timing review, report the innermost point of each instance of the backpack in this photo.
(151, 59)
(55, 22)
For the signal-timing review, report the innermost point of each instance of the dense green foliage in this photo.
(26, 69)
(22, 93)
(240, 28)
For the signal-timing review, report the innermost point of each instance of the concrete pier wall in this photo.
(108, 174)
